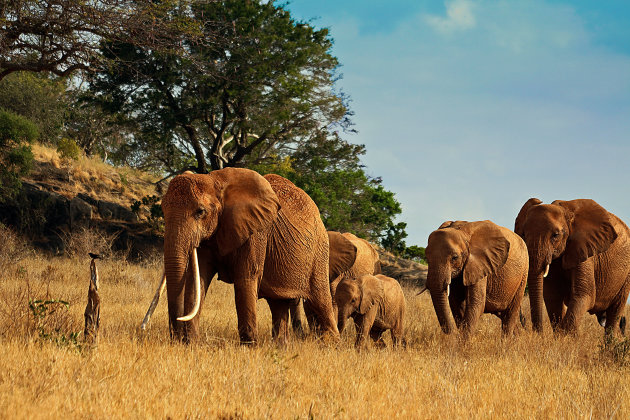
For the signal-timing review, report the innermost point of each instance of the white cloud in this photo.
(459, 16)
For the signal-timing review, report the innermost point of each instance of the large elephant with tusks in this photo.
(262, 234)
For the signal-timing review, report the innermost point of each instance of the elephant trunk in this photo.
(343, 315)
(178, 251)
(535, 288)
(538, 269)
(437, 283)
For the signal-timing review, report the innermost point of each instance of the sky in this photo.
(468, 108)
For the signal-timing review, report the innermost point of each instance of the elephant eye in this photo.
(555, 235)
(200, 212)
(455, 257)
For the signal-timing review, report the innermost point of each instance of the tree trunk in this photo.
(92, 312)
(202, 168)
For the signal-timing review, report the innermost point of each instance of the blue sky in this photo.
(470, 107)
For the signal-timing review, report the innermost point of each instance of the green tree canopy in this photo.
(39, 98)
(266, 86)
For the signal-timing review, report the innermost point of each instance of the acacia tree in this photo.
(61, 36)
(267, 86)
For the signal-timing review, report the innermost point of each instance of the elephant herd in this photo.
(265, 236)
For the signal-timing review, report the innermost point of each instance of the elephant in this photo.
(262, 234)
(376, 303)
(478, 267)
(350, 257)
(579, 261)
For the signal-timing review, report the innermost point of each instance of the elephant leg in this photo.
(475, 304)
(296, 310)
(581, 299)
(614, 325)
(321, 302)
(245, 297)
(458, 308)
(376, 335)
(457, 301)
(311, 319)
(511, 315)
(553, 294)
(397, 336)
(279, 319)
(365, 323)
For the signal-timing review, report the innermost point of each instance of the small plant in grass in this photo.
(52, 322)
(616, 349)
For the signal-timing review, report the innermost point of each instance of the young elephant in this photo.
(375, 303)
(480, 268)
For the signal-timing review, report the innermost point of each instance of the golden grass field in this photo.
(127, 376)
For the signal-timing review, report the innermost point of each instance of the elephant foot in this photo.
(248, 339)
(330, 337)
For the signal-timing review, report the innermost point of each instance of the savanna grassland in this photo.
(45, 372)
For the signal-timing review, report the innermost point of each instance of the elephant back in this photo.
(367, 258)
(295, 204)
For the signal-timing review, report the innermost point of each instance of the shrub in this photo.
(68, 149)
(618, 350)
(156, 217)
(52, 322)
(13, 248)
(79, 243)
(16, 158)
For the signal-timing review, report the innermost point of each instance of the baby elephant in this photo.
(376, 303)
(475, 268)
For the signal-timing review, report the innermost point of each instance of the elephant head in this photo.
(464, 252)
(573, 230)
(343, 254)
(357, 296)
(226, 207)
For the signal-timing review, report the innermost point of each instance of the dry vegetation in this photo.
(46, 374)
(90, 175)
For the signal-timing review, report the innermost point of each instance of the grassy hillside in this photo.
(45, 375)
(91, 176)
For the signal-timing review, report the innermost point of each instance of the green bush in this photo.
(152, 203)
(68, 149)
(16, 157)
(16, 129)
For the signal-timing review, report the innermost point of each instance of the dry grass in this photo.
(132, 377)
(92, 176)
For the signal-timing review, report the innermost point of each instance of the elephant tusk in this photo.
(197, 286)
(448, 290)
(546, 271)
(154, 302)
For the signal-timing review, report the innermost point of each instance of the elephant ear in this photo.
(249, 205)
(453, 224)
(372, 291)
(519, 224)
(488, 251)
(343, 254)
(377, 267)
(591, 231)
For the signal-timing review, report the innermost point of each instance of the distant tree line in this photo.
(189, 85)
